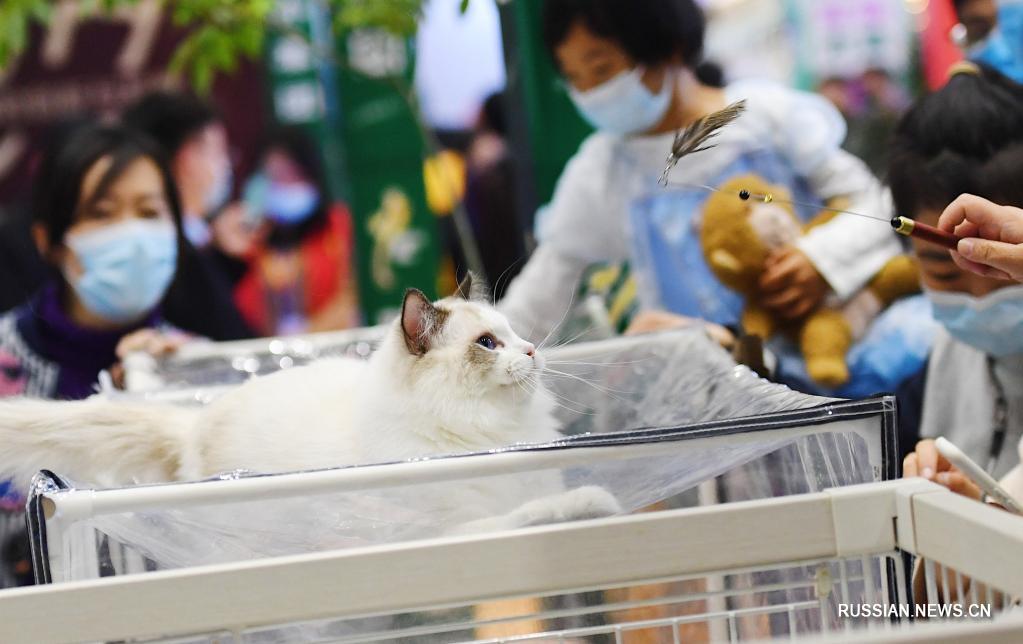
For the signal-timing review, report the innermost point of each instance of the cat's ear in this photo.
(420, 321)
(472, 288)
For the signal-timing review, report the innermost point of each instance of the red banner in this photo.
(937, 50)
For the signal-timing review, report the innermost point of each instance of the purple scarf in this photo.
(80, 353)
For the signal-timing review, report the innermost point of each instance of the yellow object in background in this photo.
(447, 282)
(394, 241)
(444, 178)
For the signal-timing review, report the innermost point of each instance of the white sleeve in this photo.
(582, 225)
(809, 131)
(849, 250)
(538, 300)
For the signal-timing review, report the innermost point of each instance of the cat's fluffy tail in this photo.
(96, 441)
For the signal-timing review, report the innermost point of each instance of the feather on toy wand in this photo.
(698, 135)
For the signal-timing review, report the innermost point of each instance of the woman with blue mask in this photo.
(107, 220)
(301, 274)
(966, 138)
(630, 67)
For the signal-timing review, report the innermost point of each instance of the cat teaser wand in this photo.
(696, 138)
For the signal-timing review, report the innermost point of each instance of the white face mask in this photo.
(624, 105)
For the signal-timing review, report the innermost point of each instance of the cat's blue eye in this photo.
(487, 341)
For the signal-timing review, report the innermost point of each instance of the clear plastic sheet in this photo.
(647, 421)
(206, 364)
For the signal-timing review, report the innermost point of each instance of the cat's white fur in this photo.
(431, 388)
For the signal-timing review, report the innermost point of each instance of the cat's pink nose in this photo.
(530, 350)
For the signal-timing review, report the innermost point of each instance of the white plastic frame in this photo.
(911, 516)
(63, 509)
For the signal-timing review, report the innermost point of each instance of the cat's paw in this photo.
(590, 502)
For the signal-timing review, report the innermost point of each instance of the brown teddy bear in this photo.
(738, 235)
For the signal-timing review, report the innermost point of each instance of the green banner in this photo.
(351, 96)
(384, 148)
(547, 127)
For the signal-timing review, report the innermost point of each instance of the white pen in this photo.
(975, 472)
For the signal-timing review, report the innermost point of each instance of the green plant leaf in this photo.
(202, 79)
(42, 12)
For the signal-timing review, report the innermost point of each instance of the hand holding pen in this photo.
(992, 243)
(927, 462)
(943, 463)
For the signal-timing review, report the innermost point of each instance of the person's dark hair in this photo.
(298, 147)
(650, 31)
(710, 74)
(170, 118)
(494, 114)
(959, 4)
(58, 184)
(965, 138)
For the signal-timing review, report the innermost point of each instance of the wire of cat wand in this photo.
(902, 225)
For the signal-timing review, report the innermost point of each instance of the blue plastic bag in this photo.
(895, 346)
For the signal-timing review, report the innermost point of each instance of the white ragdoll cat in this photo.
(449, 377)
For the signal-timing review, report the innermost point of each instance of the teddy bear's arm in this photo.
(756, 320)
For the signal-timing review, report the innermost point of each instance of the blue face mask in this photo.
(624, 105)
(220, 192)
(993, 323)
(283, 203)
(1003, 47)
(126, 268)
(197, 231)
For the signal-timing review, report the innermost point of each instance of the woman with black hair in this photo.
(300, 276)
(631, 69)
(106, 220)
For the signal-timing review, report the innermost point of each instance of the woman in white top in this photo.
(630, 66)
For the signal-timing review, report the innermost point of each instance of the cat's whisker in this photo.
(565, 402)
(601, 388)
(532, 327)
(497, 283)
(609, 394)
(558, 399)
(579, 374)
(574, 337)
(528, 394)
(543, 343)
(588, 372)
(599, 364)
(559, 402)
(596, 354)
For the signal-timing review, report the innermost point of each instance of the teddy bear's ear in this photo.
(726, 263)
